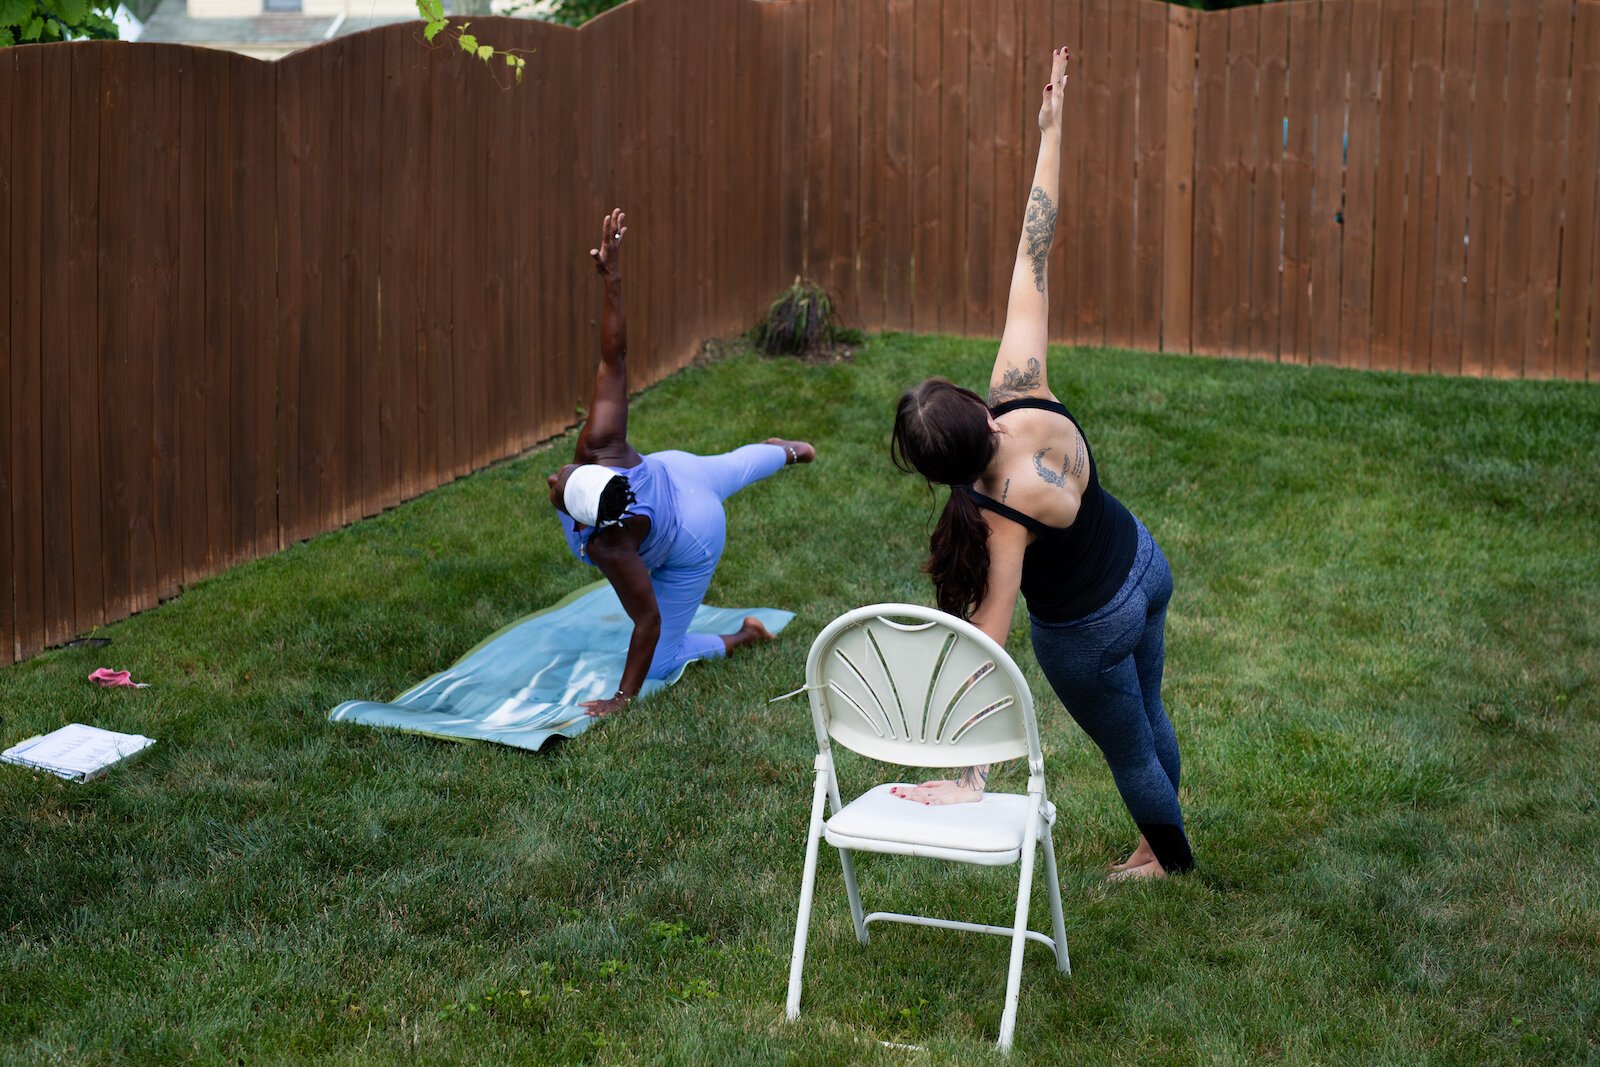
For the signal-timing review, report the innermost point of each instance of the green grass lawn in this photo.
(1382, 664)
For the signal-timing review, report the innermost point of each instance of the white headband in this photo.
(582, 495)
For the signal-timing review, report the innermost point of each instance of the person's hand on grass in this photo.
(599, 709)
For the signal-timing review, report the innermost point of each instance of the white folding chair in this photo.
(913, 686)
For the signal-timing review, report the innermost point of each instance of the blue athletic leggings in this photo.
(1106, 668)
(701, 484)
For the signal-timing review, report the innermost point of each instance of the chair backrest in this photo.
(916, 686)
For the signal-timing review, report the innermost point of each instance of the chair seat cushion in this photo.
(878, 821)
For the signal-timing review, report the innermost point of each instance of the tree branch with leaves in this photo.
(432, 12)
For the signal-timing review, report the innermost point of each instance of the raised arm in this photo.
(1019, 368)
(604, 438)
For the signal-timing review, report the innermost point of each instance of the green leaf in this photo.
(31, 31)
(52, 28)
(14, 12)
(72, 11)
(7, 38)
(484, 52)
(433, 28)
(469, 43)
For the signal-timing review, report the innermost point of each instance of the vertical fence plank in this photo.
(1152, 161)
(55, 311)
(1122, 84)
(8, 559)
(256, 342)
(950, 273)
(362, 101)
(1240, 168)
(1327, 194)
(1548, 163)
(899, 178)
(1294, 344)
(1214, 237)
(189, 401)
(213, 387)
(1010, 192)
(112, 303)
(1266, 260)
(171, 69)
(295, 246)
(819, 137)
(1062, 24)
(1422, 185)
(1483, 188)
(982, 212)
(1177, 269)
(1389, 208)
(1450, 246)
(1355, 287)
(83, 210)
(871, 241)
(1580, 239)
(1092, 289)
(24, 294)
(1511, 271)
(397, 195)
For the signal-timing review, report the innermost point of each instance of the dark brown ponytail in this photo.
(941, 431)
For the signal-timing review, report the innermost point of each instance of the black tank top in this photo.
(1073, 571)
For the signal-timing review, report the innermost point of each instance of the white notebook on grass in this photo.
(76, 752)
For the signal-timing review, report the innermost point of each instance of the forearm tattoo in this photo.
(974, 778)
(1017, 382)
(1056, 479)
(1039, 229)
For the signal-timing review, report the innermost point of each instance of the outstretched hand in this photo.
(607, 258)
(1050, 109)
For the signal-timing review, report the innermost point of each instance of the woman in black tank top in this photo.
(1027, 514)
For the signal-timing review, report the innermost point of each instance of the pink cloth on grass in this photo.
(108, 678)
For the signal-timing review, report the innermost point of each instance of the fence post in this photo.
(1177, 279)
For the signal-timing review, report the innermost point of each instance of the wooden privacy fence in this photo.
(247, 303)
(1402, 184)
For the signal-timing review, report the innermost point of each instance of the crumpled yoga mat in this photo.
(526, 683)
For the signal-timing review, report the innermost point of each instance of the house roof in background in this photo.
(266, 36)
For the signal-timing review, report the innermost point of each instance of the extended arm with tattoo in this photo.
(1019, 368)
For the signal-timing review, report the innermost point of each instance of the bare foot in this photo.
(1141, 856)
(795, 451)
(1153, 869)
(750, 633)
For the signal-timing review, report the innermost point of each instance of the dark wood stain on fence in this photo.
(305, 291)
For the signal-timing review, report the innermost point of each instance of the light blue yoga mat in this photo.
(527, 682)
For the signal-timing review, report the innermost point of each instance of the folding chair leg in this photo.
(1008, 1019)
(856, 913)
(808, 887)
(1059, 926)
